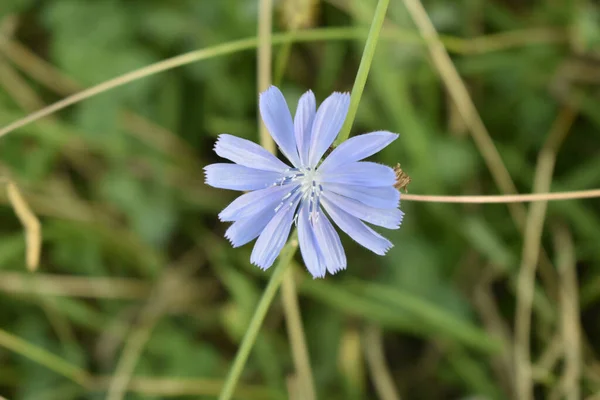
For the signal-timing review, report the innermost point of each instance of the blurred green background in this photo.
(135, 268)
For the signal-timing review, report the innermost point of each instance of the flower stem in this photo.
(290, 248)
(259, 315)
(265, 21)
(363, 69)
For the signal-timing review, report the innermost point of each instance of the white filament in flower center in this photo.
(309, 189)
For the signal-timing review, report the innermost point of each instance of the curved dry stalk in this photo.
(375, 357)
(31, 224)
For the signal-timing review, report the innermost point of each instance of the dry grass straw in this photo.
(375, 357)
(529, 261)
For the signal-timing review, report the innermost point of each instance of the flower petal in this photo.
(311, 254)
(357, 230)
(278, 120)
(328, 122)
(329, 243)
(303, 122)
(357, 148)
(388, 218)
(273, 237)
(256, 201)
(378, 197)
(362, 173)
(238, 177)
(246, 229)
(247, 153)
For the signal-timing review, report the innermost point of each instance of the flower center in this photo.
(309, 189)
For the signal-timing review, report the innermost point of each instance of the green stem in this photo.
(363, 69)
(290, 248)
(259, 315)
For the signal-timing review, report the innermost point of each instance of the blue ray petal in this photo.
(254, 202)
(329, 243)
(388, 218)
(238, 177)
(278, 120)
(378, 197)
(328, 122)
(273, 237)
(247, 153)
(357, 148)
(248, 228)
(311, 254)
(303, 122)
(362, 173)
(357, 230)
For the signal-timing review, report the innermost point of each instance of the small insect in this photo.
(402, 178)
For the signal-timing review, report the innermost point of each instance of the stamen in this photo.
(293, 195)
(307, 187)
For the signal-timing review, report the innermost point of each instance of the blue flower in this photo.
(349, 190)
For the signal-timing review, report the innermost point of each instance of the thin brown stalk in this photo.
(47, 75)
(502, 199)
(121, 80)
(74, 286)
(14, 85)
(193, 56)
(37, 68)
(168, 292)
(293, 319)
(157, 386)
(294, 389)
(43, 357)
(134, 346)
(485, 304)
(461, 97)
(302, 382)
(28, 99)
(530, 254)
(482, 138)
(378, 368)
(569, 311)
(546, 363)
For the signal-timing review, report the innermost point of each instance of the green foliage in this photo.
(117, 182)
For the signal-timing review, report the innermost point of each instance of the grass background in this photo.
(135, 268)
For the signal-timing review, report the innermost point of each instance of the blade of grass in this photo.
(259, 315)
(434, 317)
(290, 248)
(297, 338)
(183, 59)
(375, 357)
(460, 95)
(325, 34)
(363, 69)
(43, 357)
(304, 380)
(530, 254)
(570, 313)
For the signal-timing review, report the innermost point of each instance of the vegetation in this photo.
(138, 295)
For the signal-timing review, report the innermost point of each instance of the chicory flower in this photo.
(309, 192)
